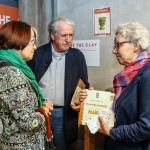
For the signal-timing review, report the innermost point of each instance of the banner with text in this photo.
(7, 13)
(90, 49)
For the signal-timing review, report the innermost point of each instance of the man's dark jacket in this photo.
(75, 68)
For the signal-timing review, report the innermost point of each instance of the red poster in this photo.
(8, 13)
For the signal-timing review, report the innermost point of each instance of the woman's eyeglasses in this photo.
(117, 45)
(33, 42)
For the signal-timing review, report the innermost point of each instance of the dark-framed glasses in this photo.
(117, 45)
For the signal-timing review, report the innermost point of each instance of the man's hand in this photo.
(83, 96)
(77, 105)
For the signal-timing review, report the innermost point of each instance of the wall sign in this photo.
(8, 12)
(102, 21)
(90, 49)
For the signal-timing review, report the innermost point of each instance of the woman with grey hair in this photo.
(131, 129)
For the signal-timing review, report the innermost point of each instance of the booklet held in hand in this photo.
(76, 95)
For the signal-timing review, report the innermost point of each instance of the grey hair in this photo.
(35, 32)
(53, 25)
(134, 32)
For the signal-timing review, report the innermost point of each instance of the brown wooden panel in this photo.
(89, 140)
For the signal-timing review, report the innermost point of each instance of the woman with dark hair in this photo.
(20, 96)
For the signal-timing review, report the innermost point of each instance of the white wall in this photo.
(121, 11)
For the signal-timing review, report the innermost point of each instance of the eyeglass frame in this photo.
(33, 42)
(117, 45)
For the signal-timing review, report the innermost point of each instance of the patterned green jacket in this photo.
(23, 128)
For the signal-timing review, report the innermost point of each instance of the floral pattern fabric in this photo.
(23, 128)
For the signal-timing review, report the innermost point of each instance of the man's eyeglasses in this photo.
(117, 45)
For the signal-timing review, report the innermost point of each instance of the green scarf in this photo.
(14, 58)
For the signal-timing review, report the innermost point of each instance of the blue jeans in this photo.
(57, 123)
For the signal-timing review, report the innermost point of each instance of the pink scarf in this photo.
(122, 79)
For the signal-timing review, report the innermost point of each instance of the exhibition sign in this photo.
(7, 13)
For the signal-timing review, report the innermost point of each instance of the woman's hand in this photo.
(104, 129)
(47, 106)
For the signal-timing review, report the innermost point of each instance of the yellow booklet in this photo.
(76, 95)
(97, 103)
